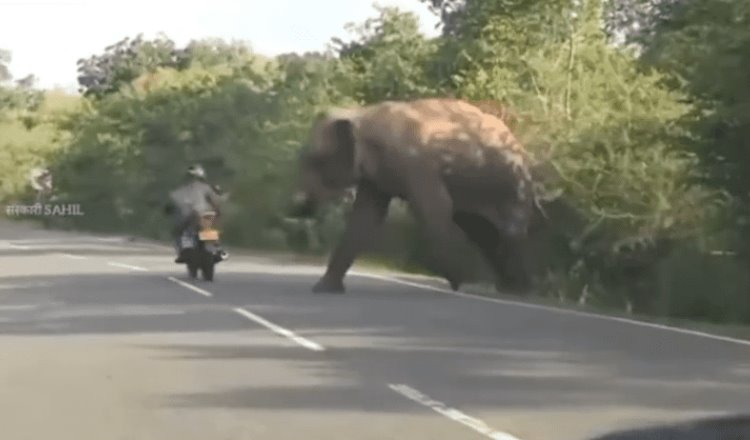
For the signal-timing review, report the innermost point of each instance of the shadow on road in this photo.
(509, 379)
(101, 304)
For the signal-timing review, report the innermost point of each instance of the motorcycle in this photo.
(201, 248)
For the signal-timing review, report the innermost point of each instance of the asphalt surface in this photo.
(101, 338)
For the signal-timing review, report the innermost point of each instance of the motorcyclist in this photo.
(41, 181)
(187, 202)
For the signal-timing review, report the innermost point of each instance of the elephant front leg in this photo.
(511, 266)
(433, 208)
(512, 257)
(504, 251)
(365, 220)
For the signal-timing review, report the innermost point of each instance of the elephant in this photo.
(460, 170)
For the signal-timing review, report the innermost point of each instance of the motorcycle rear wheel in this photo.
(192, 262)
(207, 266)
(192, 269)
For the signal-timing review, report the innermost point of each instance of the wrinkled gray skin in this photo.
(461, 171)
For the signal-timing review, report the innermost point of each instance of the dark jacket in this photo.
(194, 197)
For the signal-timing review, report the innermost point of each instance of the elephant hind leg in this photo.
(512, 265)
(484, 235)
(504, 253)
(480, 231)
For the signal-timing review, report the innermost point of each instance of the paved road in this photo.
(104, 339)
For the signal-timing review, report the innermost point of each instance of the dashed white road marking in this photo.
(450, 413)
(191, 287)
(109, 239)
(120, 311)
(28, 285)
(127, 266)
(310, 345)
(18, 307)
(314, 346)
(555, 309)
(72, 256)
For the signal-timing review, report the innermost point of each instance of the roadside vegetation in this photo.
(642, 132)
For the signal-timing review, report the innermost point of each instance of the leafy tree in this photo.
(390, 56)
(4, 61)
(488, 36)
(704, 47)
(469, 19)
(213, 52)
(635, 21)
(16, 96)
(629, 20)
(170, 118)
(125, 61)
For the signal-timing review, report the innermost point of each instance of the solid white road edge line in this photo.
(127, 266)
(314, 346)
(191, 287)
(450, 413)
(556, 309)
(110, 239)
(19, 247)
(72, 256)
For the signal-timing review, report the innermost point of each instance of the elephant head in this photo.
(326, 169)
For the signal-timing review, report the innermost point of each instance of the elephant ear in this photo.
(343, 133)
(333, 150)
(336, 163)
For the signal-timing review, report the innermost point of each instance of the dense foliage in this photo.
(642, 150)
